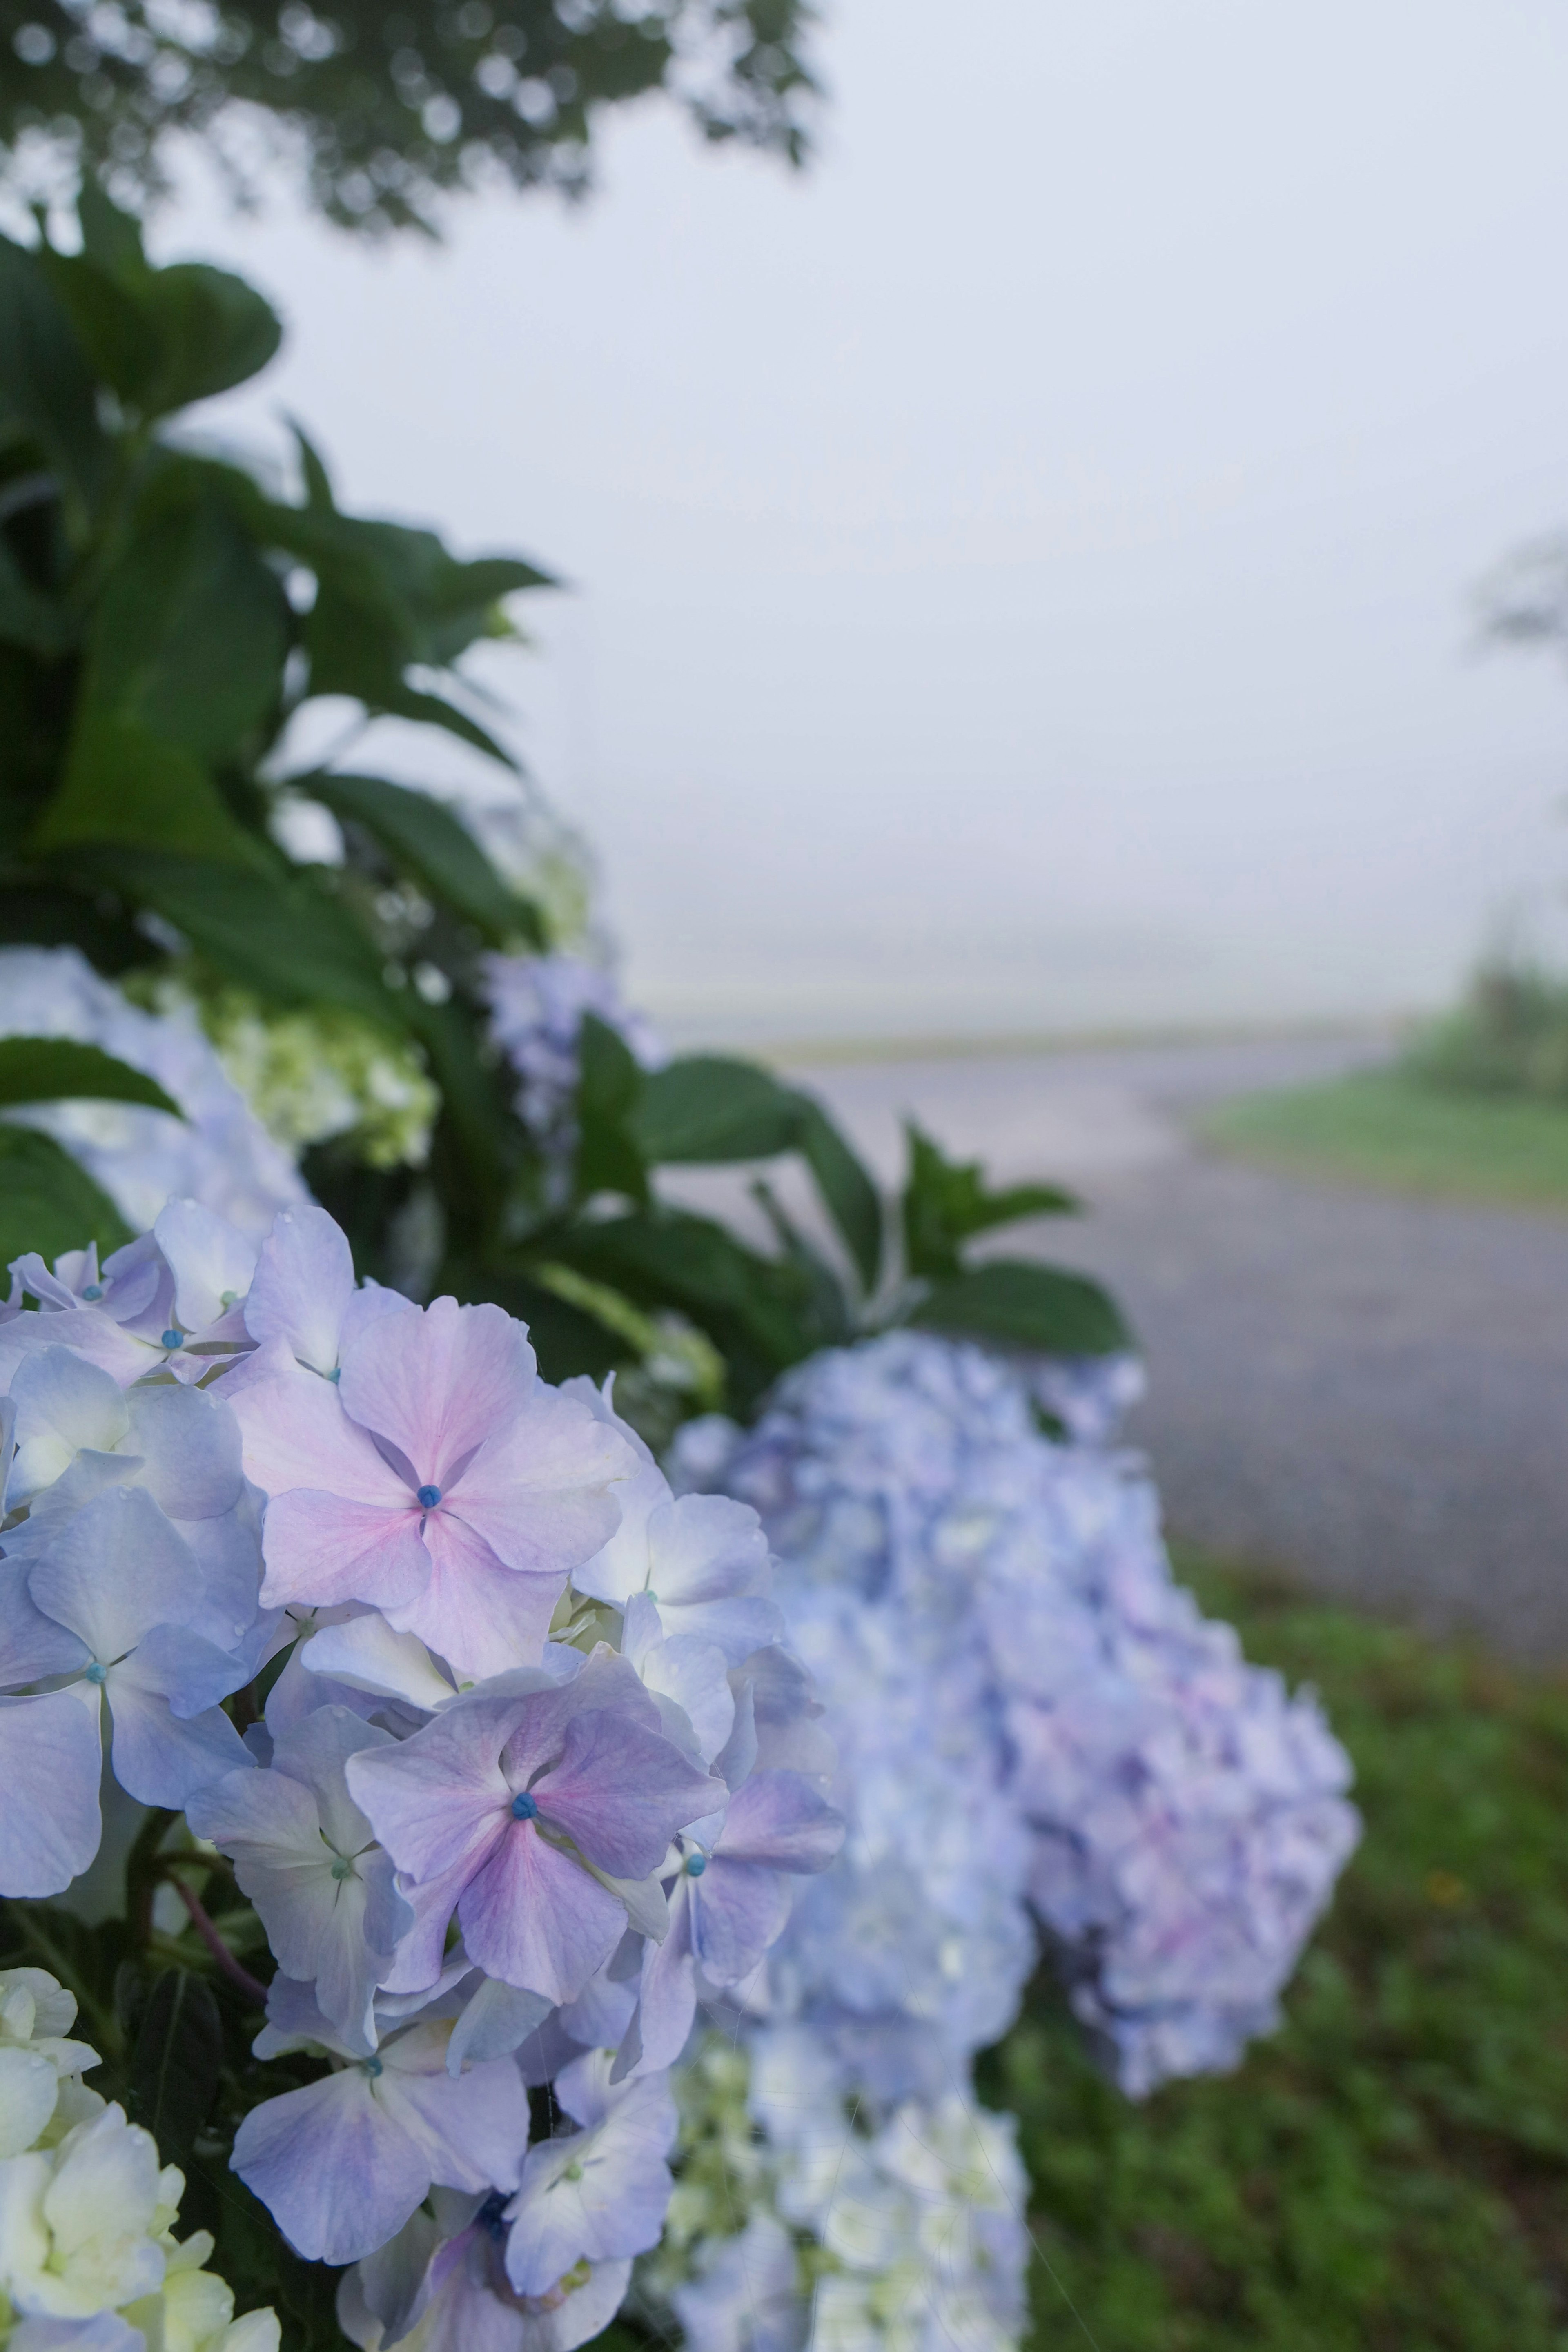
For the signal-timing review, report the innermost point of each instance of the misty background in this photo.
(1021, 568)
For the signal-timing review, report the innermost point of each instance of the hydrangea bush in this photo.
(1058, 1729)
(490, 1736)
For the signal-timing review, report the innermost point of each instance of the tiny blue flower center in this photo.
(524, 1808)
(573, 2171)
(372, 2067)
(97, 1673)
(342, 1869)
(696, 1864)
(171, 1338)
(93, 1290)
(335, 1375)
(491, 2216)
(428, 1496)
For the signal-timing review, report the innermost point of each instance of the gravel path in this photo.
(1369, 1393)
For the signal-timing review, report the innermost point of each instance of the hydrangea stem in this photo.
(250, 1986)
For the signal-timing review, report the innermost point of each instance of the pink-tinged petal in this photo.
(442, 1795)
(482, 1617)
(537, 1738)
(438, 1382)
(781, 1818)
(337, 2172)
(543, 1493)
(470, 2129)
(738, 1909)
(366, 1307)
(535, 1919)
(51, 1763)
(622, 1792)
(303, 1281)
(326, 1548)
(298, 1435)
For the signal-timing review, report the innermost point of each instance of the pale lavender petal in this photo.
(421, 1954)
(212, 1262)
(32, 1646)
(227, 1552)
(327, 1547)
(368, 1655)
(303, 1281)
(706, 1548)
(536, 1919)
(668, 2000)
(115, 1570)
(602, 2012)
(497, 2020)
(192, 1673)
(738, 1909)
(189, 1442)
(338, 2173)
(63, 1404)
(782, 1818)
(437, 1383)
(692, 1673)
(601, 2193)
(105, 2331)
(316, 1752)
(441, 1797)
(471, 2131)
(159, 1757)
(622, 1792)
(91, 1335)
(50, 1767)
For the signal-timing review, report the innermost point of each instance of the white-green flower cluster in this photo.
(87, 2259)
(796, 2227)
(318, 1075)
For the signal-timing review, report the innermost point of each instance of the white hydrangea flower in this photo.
(86, 2212)
(218, 1154)
(803, 2227)
(39, 2061)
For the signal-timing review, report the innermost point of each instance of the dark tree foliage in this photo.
(382, 111)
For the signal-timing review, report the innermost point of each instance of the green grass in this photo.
(1390, 2172)
(1387, 1128)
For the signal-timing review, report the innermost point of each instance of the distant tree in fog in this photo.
(377, 111)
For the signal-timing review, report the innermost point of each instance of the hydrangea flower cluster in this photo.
(537, 1004)
(534, 1776)
(87, 2259)
(1175, 1818)
(790, 2227)
(220, 1154)
(318, 1074)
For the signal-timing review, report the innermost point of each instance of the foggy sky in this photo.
(1022, 567)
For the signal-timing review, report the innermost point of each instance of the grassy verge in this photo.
(1386, 1128)
(1390, 2172)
